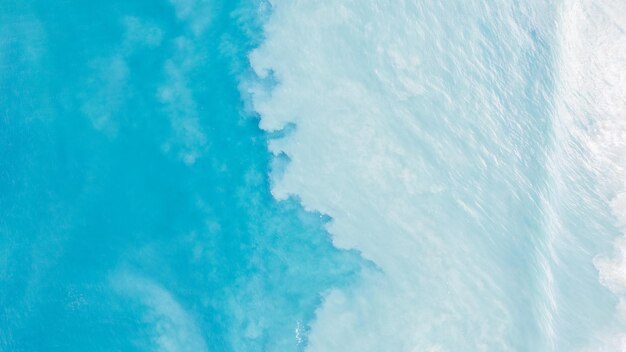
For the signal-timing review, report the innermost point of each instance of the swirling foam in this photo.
(593, 111)
(435, 136)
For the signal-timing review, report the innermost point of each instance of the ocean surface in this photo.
(313, 175)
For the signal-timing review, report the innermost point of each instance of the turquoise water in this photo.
(319, 175)
(113, 239)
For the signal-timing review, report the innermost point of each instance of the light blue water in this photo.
(199, 175)
(111, 239)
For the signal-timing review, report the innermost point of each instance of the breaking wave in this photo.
(474, 152)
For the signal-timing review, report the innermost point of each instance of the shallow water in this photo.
(197, 175)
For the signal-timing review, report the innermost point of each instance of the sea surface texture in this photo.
(313, 175)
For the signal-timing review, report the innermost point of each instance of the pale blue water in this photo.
(200, 175)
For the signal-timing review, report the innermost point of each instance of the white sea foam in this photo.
(413, 132)
(442, 152)
(592, 108)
